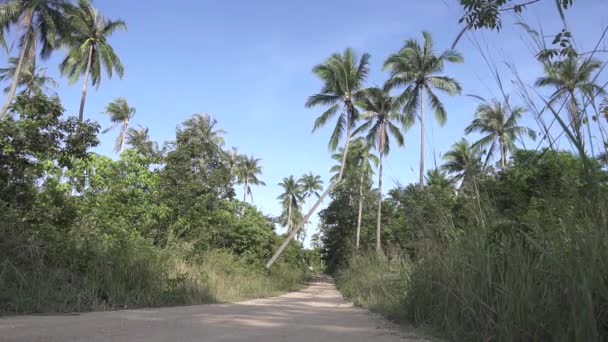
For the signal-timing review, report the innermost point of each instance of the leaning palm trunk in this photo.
(379, 223)
(331, 188)
(289, 225)
(121, 137)
(15, 82)
(503, 152)
(421, 138)
(85, 84)
(245, 190)
(360, 209)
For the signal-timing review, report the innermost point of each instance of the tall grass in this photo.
(132, 273)
(547, 282)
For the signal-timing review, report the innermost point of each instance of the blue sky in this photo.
(248, 64)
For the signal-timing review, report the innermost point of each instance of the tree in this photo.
(416, 67)
(139, 139)
(290, 199)
(437, 178)
(311, 185)
(499, 125)
(382, 114)
(463, 161)
(204, 126)
(120, 114)
(359, 162)
(569, 77)
(343, 76)
(248, 169)
(88, 48)
(41, 22)
(32, 78)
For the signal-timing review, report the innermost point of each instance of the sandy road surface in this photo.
(317, 313)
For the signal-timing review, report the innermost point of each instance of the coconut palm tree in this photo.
(39, 22)
(290, 199)
(365, 161)
(88, 48)
(139, 139)
(206, 126)
(248, 169)
(120, 114)
(416, 68)
(463, 161)
(499, 125)
(437, 178)
(311, 185)
(571, 79)
(233, 159)
(32, 78)
(382, 114)
(342, 76)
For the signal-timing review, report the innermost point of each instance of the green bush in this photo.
(524, 259)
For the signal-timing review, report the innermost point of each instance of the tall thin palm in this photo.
(417, 67)
(363, 160)
(88, 48)
(571, 79)
(234, 158)
(290, 199)
(311, 185)
(120, 114)
(463, 161)
(342, 76)
(139, 139)
(500, 127)
(40, 22)
(438, 179)
(206, 126)
(33, 79)
(248, 170)
(382, 114)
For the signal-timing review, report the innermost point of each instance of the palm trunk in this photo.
(85, 84)
(289, 217)
(379, 224)
(503, 151)
(331, 187)
(421, 138)
(11, 93)
(360, 209)
(245, 190)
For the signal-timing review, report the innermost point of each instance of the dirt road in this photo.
(317, 313)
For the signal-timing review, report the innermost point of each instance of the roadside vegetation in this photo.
(503, 239)
(158, 225)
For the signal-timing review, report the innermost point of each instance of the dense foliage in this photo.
(81, 230)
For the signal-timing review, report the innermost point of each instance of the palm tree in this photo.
(569, 77)
(499, 124)
(89, 50)
(363, 158)
(436, 178)
(139, 139)
(290, 199)
(120, 114)
(311, 185)
(32, 78)
(41, 22)
(416, 67)
(234, 158)
(248, 169)
(205, 125)
(343, 76)
(463, 161)
(382, 112)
